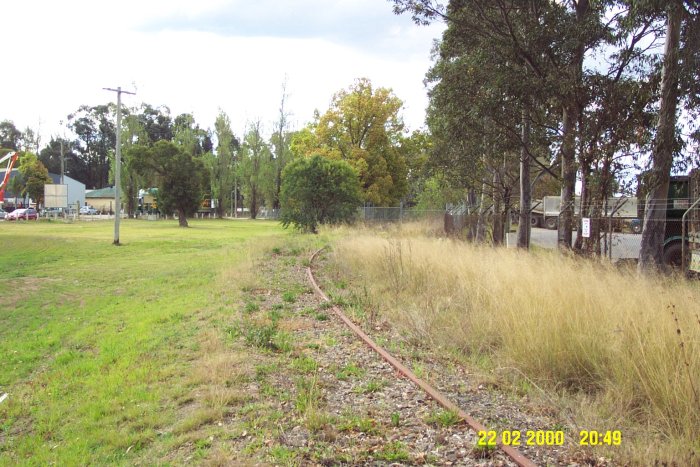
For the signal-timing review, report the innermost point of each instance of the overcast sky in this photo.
(199, 56)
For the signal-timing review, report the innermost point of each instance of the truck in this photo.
(682, 233)
(545, 212)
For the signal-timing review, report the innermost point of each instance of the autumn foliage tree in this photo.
(363, 127)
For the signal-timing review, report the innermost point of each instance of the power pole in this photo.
(118, 165)
(63, 165)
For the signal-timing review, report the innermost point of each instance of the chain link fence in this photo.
(378, 215)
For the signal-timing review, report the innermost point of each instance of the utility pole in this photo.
(63, 165)
(118, 165)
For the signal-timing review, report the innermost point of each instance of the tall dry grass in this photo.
(631, 344)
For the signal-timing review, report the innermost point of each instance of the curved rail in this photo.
(511, 452)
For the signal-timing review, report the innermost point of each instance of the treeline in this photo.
(525, 92)
(363, 127)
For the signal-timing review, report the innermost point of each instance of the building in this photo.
(76, 190)
(102, 199)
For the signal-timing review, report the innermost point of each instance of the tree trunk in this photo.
(497, 209)
(651, 251)
(525, 187)
(481, 219)
(568, 177)
(182, 218)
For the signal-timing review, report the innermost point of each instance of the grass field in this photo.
(101, 345)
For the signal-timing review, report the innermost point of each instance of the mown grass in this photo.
(622, 350)
(102, 346)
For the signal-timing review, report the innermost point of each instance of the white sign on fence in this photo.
(55, 196)
(586, 227)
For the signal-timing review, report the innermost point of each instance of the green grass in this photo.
(98, 341)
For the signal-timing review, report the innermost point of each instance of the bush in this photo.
(318, 191)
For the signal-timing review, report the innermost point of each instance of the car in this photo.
(27, 214)
(88, 210)
(2, 214)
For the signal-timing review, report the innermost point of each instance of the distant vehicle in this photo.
(2, 214)
(27, 214)
(88, 210)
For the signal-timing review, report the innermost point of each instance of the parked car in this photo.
(27, 214)
(88, 210)
(2, 214)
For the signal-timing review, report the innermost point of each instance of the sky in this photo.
(205, 56)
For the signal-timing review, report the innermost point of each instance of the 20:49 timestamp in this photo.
(600, 438)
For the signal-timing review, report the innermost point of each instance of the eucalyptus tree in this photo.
(254, 173)
(178, 174)
(222, 163)
(96, 137)
(544, 44)
(679, 82)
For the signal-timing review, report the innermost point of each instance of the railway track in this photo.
(514, 454)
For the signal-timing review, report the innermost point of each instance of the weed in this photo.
(394, 451)
(369, 387)
(308, 394)
(321, 317)
(350, 370)
(289, 297)
(359, 424)
(305, 364)
(443, 418)
(283, 455)
(251, 307)
(395, 419)
(261, 335)
(276, 250)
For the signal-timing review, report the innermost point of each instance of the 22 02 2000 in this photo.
(516, 438)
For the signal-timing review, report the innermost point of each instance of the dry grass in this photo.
(628, 345)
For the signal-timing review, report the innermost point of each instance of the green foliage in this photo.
(318, 191)
(363, 127)
(179, 177)
(255, 171)
(34, 175)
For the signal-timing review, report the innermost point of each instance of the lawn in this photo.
(98, 342)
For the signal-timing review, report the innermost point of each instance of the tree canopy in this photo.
(318, 191)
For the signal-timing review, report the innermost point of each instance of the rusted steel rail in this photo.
(511, 452)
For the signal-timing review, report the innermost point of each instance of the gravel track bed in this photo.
(375, 416)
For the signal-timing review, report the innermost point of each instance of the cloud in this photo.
(369, 26)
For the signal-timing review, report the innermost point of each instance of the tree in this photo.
(179, 177)
(221, 165)
(96, 132)
(10, 136)
(651, 252)
(280, 142)
(35, 176)
(253, 171)
(364, 128)
(318, 191)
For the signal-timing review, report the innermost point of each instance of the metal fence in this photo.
(376, 215)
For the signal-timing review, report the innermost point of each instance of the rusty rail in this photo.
(511, 452)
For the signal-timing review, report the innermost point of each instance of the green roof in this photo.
(101, 193)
